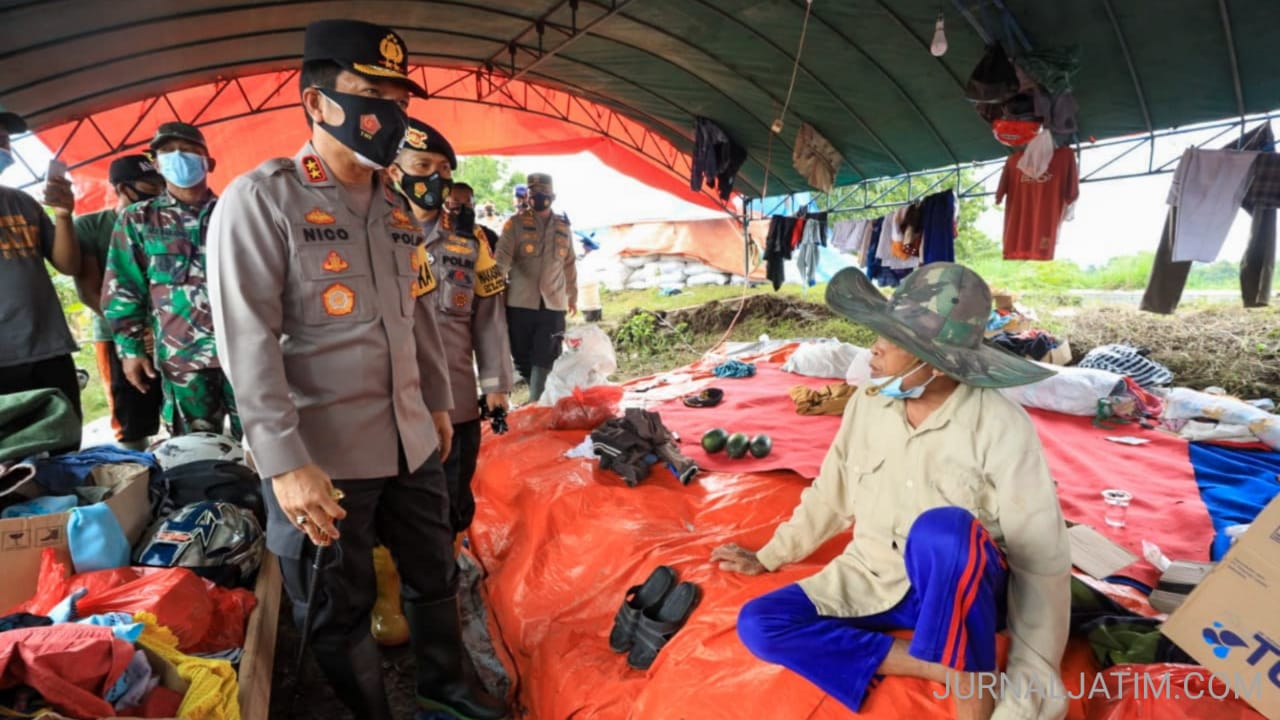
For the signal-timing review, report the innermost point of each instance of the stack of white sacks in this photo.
(645, 272)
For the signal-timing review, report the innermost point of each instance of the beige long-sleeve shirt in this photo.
(537, 253)
(322, 328)
(978, 451)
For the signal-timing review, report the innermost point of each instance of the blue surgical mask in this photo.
(183, 169)
(6, 159)
(892, 387)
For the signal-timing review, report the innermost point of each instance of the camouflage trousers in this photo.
(199, 401)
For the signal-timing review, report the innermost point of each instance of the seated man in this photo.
(957, 528)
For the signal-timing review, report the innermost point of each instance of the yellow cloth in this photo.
(978, 451)
(830, 400)
(214, 693)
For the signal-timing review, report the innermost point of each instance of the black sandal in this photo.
(659, 624)
(710, 397)
(639, 599)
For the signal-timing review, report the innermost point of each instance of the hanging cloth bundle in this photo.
(816, 158)
(716, 158)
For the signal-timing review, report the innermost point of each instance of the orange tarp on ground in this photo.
(715, 242)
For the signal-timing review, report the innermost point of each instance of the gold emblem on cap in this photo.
(392, 52)
(415, 138)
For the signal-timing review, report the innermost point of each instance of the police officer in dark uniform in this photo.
(325, 327)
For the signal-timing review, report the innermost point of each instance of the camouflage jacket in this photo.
(156, 270)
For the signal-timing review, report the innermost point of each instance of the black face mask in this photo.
(540, 202)
(464, 221)
(135, 195)
(425, 191)
(372, 128)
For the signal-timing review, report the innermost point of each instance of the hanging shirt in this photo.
(1207, 189)
(1036, 206)
(938, 216)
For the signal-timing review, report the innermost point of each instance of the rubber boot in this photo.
(353, 667)
(447, 679)
(389, 627)
(537, 383)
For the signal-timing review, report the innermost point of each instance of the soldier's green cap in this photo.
(939, 314)
(540, 183)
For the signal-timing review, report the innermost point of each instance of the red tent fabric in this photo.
(251, 119)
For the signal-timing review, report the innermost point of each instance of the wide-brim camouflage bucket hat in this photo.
(939, 314)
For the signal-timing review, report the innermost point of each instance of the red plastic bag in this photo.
(203, 616)
(1169, 692)
(587, 408)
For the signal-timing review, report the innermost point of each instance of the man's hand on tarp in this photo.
(736, 558)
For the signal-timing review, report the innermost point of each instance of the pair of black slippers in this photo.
(651, 614)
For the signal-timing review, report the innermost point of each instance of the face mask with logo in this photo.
(425, 191)
(372, 128)
(183, 169)
(6, 159)
(540, 202)
(892, 387)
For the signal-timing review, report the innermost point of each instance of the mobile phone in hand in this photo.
(57, 170)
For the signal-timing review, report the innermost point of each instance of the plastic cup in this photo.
(1117, 506)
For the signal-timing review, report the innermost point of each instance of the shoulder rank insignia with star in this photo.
(315, 170)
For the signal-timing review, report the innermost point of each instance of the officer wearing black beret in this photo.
(325, 328)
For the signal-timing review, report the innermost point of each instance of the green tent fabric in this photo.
(36, 421)
(866, 79)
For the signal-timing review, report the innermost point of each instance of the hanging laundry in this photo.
(777, 249)
(847, 236)
(911, 227)
(716, 158)
(869, 235)
(1039, 152)
(816, 159)
(1164, 287)
(1035, 207)
(1208, 188)
(807, 253)
(938, 218)
(894, 235)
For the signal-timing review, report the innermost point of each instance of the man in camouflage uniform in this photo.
(536, 249)
(156, 269)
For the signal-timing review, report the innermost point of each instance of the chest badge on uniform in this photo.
(425, 282)
(529, 248)
(460, 300)
(562, 252)
(401, 221)
(315, 171)
(334, 262)
(319, 217)
(338, 300)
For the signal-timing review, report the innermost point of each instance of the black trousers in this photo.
(535, 336)
(408, 513)
(460, 468)
(134, 415)
(58, 373)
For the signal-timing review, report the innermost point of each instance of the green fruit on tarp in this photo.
(713, 440)
(737, 445)
(761, 445)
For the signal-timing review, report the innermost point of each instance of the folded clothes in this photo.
(828, 400)
(735, 369)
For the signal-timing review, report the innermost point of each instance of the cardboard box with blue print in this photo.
(1229, 623)
(22, 540)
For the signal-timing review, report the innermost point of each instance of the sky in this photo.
(1113, 218)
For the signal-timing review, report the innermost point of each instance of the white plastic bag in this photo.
(823, 359)
(707, 278)
(1072, 391)
(588, 360)
(1036, 158)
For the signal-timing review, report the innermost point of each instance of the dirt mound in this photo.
(1229, 347)
(715, 317)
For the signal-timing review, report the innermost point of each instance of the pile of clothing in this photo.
(891, 247)
(630, 445)
(161, 588)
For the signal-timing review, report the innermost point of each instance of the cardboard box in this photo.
(258, 662)
(1229, 622)
(23, 540)
(1060, 355)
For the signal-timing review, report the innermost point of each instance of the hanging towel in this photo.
(1208, 188)
(816, 159)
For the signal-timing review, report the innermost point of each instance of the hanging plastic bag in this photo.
(588, 360)
(1036, 158)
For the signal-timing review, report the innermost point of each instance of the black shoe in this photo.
(353, 668)
(639, 597)
(660, 623)
(447, 679)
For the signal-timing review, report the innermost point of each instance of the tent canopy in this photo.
(865, 78)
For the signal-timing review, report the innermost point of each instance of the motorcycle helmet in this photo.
(216, 540)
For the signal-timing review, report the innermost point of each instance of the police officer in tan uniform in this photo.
(536, 250)
(326, 328)
(468, 299)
